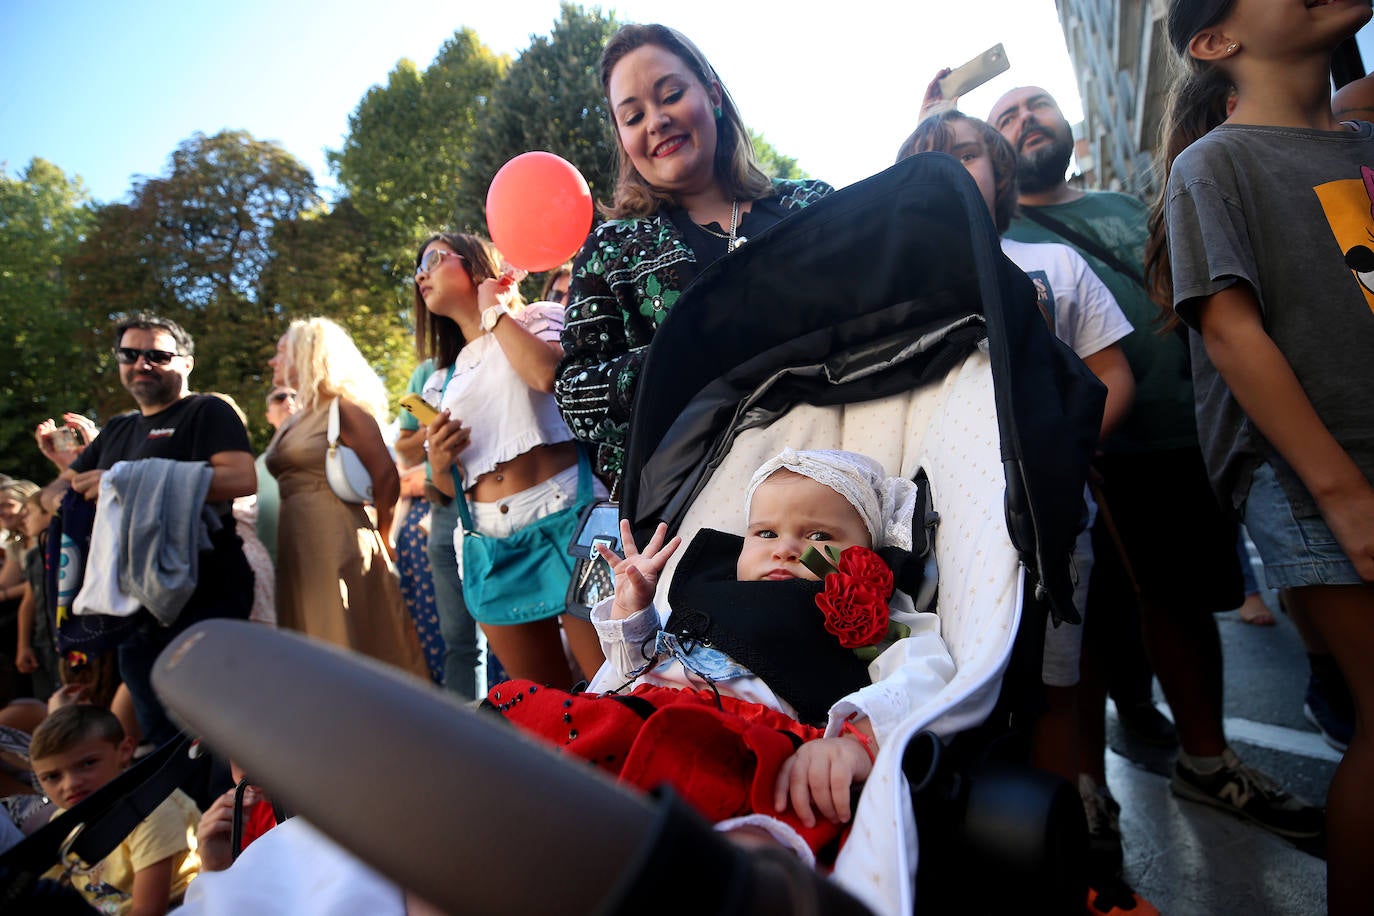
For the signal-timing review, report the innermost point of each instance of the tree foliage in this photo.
(774, 163)
(406, 140)
(324, 265)
(196, 246)
(550, 100)
(44, 216)
(233, 241)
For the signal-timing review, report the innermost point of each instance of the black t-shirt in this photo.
(192, 429)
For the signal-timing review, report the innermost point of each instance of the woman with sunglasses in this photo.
(556, 285)
(281, 403)
(688, 191)
(498, 449)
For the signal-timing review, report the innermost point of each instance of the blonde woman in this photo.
(335, 580)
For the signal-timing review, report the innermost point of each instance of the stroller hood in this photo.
(877, 289)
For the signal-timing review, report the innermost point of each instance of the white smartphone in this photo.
(975, 73)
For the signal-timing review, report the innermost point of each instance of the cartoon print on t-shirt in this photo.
(1044, 295)
(1349, 207)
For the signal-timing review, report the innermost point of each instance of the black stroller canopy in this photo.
(880, 288)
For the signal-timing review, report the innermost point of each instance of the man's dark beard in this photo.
(1043, 168)
(155, 392)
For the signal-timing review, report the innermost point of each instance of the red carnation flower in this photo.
(867, 567)
(854, 600)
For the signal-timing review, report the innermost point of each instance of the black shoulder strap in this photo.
(1091, 246)
(155, 778)
(95, 826)
(924, 519)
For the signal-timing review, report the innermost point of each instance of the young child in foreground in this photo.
(803, 678)
(1261, 244)
(74, 752)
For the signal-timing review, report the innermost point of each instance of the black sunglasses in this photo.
(127, 356)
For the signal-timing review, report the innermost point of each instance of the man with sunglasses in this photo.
(155, 358)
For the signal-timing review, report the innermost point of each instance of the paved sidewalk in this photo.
(1190, 860)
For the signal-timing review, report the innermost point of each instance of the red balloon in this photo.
(539, 211)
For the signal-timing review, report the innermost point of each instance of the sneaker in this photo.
(1250, 794)
(1333, 731)
(1143, 722)
(1336, 724)
(1116, 896)
(1104, 828)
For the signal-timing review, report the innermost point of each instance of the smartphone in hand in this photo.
(969, 76)
(419, 408)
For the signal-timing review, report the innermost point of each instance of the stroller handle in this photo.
(472, 816)
(469, 814)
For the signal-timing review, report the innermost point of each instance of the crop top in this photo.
(507, 417)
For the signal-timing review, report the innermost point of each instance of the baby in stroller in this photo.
(764, 695)
(938, 363)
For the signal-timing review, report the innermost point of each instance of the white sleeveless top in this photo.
(506, 416)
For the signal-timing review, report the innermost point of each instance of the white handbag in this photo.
(344, 470)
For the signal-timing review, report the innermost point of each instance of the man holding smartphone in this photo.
(155, 358)
(1164, 541)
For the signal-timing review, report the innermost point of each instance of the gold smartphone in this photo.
(419, 408)
(966, 78)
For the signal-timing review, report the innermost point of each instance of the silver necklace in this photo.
(731, 241)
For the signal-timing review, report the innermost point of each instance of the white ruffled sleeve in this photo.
(905, 678)
(623, 641)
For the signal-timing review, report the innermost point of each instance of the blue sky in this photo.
(108, 90)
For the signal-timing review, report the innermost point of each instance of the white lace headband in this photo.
(885, 503)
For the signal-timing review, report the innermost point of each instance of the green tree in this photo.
(400, 162)
(44, 216)
(774, 163)
(195, 245)
(323, 266)
(550, 100)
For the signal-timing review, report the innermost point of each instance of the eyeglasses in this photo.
(279, 397)
(433, 258)
(127, 356)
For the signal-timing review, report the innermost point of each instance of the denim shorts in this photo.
(511, 513)
(1295, 551)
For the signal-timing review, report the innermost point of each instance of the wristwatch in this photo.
(493, 315)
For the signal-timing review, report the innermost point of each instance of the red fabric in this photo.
(257, 820)
(721, 761)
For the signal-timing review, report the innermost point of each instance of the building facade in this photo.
(1121, 56)
(1122, 60)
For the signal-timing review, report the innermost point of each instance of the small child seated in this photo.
(214, 833)
(74, 752)
(803, 678)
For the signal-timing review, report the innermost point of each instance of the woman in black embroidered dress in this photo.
(688, 192)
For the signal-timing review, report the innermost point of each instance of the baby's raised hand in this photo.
(636, 576)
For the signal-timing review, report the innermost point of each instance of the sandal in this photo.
(1255, 612)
